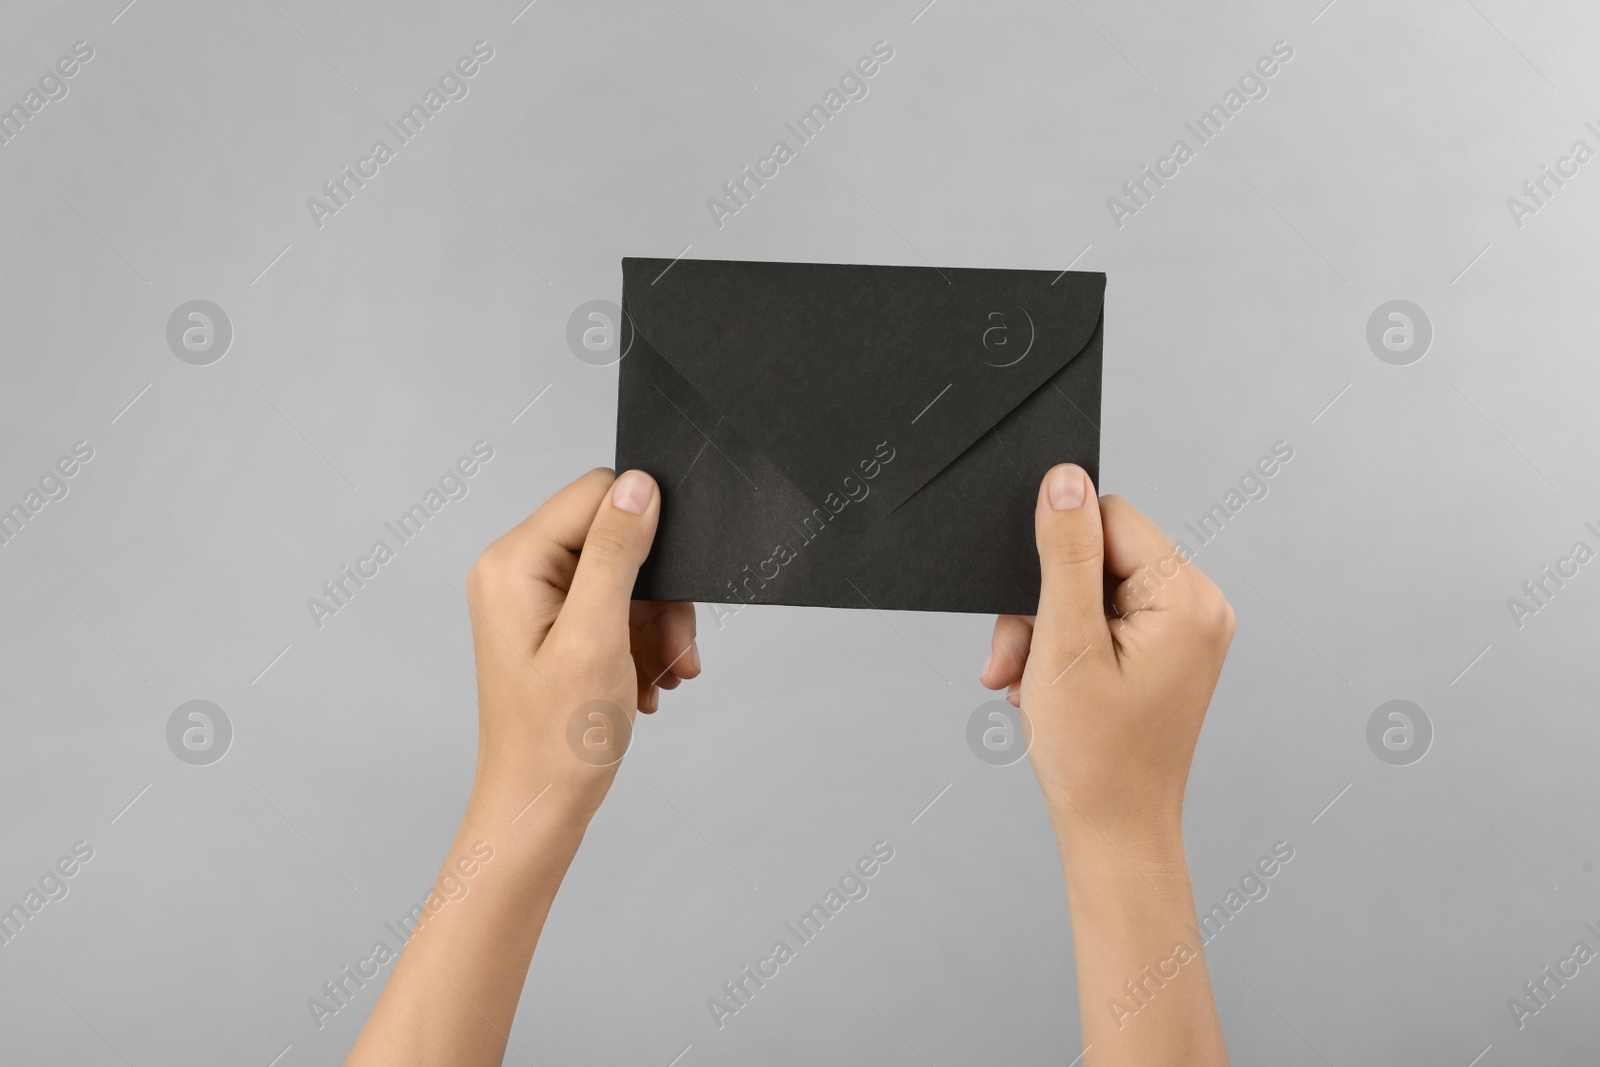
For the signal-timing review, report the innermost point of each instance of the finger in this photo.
(675, 630)
(644, 643)
(1008, 651)
(559, 526)
(518, 582)
(662, 636)
(1071, 562)
(1152, 572)
(649, 699)
(1131, 539)
(596, 609)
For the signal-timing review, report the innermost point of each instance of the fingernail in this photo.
(694, 655)
(632, 492)
(652, 700)
(986, 665)
(1014, 699)
(1067, 487)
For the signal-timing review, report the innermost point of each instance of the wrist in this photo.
(511, 799)
(526, 848)
(1136, 854)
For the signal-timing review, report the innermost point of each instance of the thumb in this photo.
(619, 538)
(1066, 522)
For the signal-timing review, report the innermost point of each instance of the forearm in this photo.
(455, 988)
(1143, 990)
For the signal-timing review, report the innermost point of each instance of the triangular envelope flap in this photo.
(821, 366)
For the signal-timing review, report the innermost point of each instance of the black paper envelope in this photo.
(853, 436)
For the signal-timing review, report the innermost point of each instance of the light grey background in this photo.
(428, 313)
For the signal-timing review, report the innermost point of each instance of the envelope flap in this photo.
(821, 366)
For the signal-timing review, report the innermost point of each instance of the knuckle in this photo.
(1073, 547)
(1223, 619)
(1215, 613)
(608, 544)
(1121, 515)
(578, 657)
(489, 573)
(691, 622)
(1071, 651)
(1142, 589)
